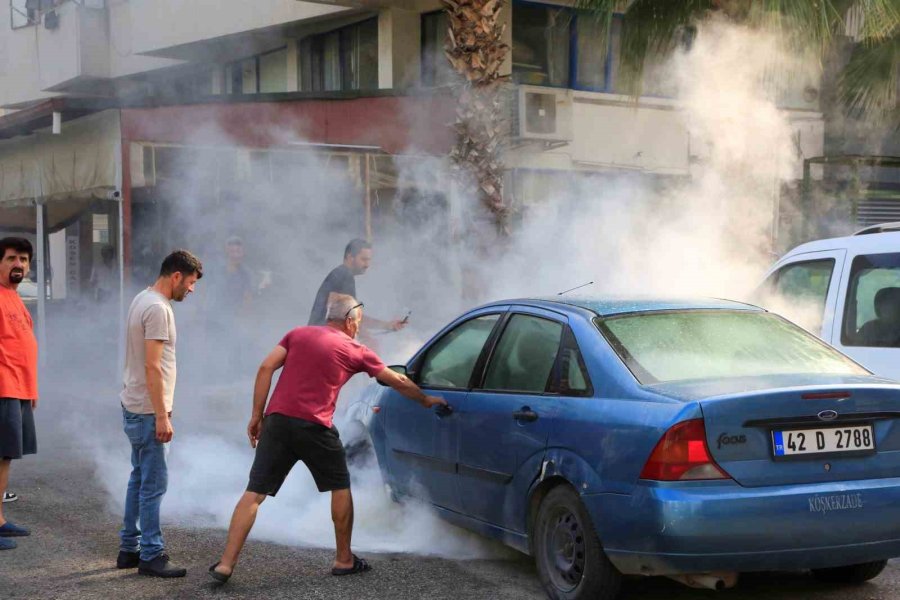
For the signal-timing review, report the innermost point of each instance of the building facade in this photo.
(105, 103)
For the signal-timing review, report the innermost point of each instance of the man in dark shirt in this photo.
(341, 280)
(232, 294)
(228, 304)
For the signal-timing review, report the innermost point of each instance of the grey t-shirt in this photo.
(149, 318)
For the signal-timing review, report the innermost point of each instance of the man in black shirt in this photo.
(227, 308)
(357, 258)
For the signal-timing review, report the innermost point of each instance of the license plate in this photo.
(853, 438)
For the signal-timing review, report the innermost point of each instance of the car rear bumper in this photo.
(667, 528)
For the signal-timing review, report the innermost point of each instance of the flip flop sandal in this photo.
(359, 566)
(220, 577)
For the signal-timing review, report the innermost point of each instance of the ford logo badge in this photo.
(828, 415)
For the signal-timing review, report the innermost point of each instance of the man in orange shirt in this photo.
(18, 372)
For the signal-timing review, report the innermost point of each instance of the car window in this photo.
(798, 291)
(525, 355)
(573, 379)
(449, 362)
(709, 344)
(872, 308)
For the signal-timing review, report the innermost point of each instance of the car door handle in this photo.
(443, 410)
(525, 414)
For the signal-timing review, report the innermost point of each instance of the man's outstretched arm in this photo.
(373, 324)
(272, 362)
(405, 386)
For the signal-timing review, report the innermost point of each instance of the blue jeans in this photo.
(146, 487)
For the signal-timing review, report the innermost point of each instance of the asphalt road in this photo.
(72, 551)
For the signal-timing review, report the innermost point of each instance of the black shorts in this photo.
(284, 441)
(17, 436)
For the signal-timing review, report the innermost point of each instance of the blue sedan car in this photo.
(606, 437)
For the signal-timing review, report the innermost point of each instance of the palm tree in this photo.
(868, 84)
(475, 49)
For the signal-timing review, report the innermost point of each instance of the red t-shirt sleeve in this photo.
(286, 341)
(370, 363)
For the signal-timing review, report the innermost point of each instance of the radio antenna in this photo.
(576, 288)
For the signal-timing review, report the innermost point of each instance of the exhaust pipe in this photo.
(709, 581)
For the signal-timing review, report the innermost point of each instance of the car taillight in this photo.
(682, 455)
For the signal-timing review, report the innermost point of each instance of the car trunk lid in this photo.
(741, 416)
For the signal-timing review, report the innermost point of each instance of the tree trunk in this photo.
(476, 51)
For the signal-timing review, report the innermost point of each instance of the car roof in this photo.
(865, 243)
(606, 306)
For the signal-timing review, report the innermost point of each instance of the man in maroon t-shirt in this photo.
(317, 363)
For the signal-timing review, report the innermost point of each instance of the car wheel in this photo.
(570, 561)
(851, 573)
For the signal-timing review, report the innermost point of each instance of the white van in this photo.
(847, 291)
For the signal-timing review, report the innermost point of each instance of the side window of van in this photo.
(798, 292)
(872, 311)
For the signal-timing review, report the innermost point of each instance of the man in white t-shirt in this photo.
(147, 399)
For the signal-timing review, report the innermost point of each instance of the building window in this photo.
(23, 13)
(594, 69)
(181, 84)
(343, 59)
(273, 71)
(242, 76)
(100, 229)
(542, 37)
(562, 47)
(436, 69)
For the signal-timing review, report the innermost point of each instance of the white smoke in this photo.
(708, 235)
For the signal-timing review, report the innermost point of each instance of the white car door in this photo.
(804, 289)
(867, 319)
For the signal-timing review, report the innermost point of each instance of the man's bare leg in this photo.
(241, 523)
(4, 481)
(342, 515)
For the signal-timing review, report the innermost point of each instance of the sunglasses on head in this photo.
(347, 314)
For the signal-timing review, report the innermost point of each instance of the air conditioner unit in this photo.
(542, 114)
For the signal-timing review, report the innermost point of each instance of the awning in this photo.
(67, 172)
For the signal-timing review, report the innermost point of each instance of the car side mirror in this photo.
(397, 369)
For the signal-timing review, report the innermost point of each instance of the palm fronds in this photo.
(870, 82)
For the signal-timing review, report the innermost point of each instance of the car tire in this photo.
(570, 561)
(851, 573)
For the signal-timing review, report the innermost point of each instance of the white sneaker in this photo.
(9, 497)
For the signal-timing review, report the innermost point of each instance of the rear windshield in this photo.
(681, 345)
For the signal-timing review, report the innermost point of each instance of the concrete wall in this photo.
(123, 59)
(36, 61)
(168, 23)
(610, 132)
